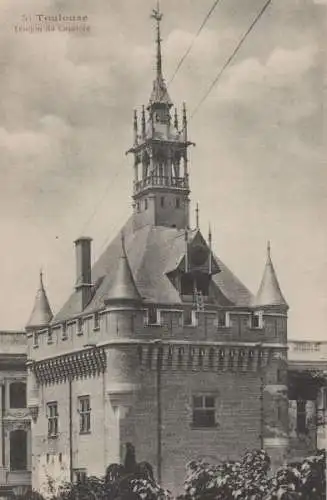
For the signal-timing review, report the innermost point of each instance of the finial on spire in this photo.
(41, 277)
(157, 16)
(197, 216)
(122, 237)
(135, 128)
(176, 119)
(268, 250)
(184, 130)
(143, 123)
(210, 247)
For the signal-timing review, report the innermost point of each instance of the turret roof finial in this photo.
(157, 15)
(159, 93)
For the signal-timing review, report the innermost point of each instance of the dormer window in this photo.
(191, 283)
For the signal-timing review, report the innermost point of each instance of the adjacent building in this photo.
(15, 427)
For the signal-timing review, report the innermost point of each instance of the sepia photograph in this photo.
(163, 257)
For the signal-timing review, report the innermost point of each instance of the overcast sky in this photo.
(257, 169)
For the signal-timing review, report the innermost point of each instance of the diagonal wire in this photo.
(230, 58)
(204, 22)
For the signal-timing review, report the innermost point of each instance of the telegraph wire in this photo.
(188, 50)
(205, 96)
(230, 58)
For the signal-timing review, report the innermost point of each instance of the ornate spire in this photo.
(157, 15)
(269, 293)
(123, 288)
(41, 314)
(159, 93)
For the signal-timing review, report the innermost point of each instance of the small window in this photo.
(162, 201)
(190, 317)
(64, 335)
(84, 414)
(301, 420)
(17, 395)
(145, 204)
(52, 413)
(96, 324)
(35, 339)
(204, 411)
(256, 320)
(153, 315)
(80, 475)
(80, 326)
(178, 203)
(223, 319)
(50, 335)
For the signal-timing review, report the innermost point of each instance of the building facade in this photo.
(159, 344)
(15, 427)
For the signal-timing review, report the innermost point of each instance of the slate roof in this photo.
(152, 251)
(269, 293)
(41, 314)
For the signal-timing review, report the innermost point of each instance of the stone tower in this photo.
(159, 343)
(161, 179)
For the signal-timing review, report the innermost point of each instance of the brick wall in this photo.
(237, 413)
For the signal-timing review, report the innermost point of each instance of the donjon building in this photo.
(159, 344)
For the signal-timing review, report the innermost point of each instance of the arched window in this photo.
(18, 450)
(17, 395)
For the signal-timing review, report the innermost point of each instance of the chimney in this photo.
(83, 284)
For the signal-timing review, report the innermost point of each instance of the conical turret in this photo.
(123, 288)
(41, 314)
(269, 293)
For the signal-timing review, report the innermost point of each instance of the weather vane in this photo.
(156, 14)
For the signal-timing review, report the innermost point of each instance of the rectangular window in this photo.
(256, 320)
(49, 335)
(80, 326)
(35, 339)
(204, 411)
(178, 203)
(84, 414)
(52, 413)
(162, 201)
(190, 317)
(153, 315)
(301, 423)
(80, 475)
(96, 324)
(64, 335)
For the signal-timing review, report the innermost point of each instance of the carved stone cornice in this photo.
(236, 358)
(77, 365)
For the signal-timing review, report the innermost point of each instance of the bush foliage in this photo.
(247, 479)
